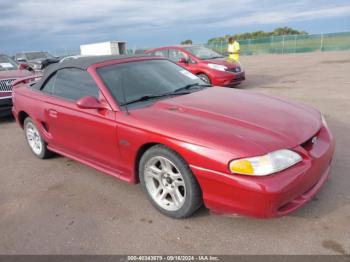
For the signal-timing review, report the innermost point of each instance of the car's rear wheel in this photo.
(169, 183)
(35, 141)
(205, 78)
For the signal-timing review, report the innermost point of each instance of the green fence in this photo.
(273, 44)
(288, 44)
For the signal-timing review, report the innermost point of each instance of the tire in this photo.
(35, 142)
(169, 183)
(205, 78)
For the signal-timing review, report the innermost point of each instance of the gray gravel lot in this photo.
(59, 206)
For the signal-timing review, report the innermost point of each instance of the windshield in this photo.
(202, 52)
(6, 63)
(38, 55)
(135, 80)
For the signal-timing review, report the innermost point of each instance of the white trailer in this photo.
(104, 48)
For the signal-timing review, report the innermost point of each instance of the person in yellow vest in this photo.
(233, 49)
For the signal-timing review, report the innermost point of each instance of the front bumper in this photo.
(229, 79)
(271, 196)
(5, 106)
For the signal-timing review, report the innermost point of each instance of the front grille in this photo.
(308, 144)
(237, 79)
(6, 85)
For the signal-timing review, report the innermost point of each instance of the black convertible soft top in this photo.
(84, 62)
(81, 63)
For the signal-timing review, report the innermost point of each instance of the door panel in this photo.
(175, 55)
(89, 134)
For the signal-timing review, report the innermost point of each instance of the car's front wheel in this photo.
(35, 141)
(169, 183)
(205, 78)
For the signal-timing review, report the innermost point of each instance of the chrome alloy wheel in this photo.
(164, 183)
(33, 138)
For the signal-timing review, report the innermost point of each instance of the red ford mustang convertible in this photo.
(145, 119)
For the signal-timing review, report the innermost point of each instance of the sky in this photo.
(65, 24)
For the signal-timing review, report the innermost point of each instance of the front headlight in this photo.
(265, 165)
(217, 67)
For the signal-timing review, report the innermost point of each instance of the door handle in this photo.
(53, 113)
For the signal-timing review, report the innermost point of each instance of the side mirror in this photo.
(183, 60)
(89, 102)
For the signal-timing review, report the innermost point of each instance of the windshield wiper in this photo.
(187, 87)
(150, 96)
(142, 98)
(177, 92)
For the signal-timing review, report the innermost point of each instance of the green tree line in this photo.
(259, 34)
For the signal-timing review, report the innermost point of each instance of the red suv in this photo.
(210, 66)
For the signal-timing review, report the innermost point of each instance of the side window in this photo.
(48, 86)
(175, 55)
(73, 84)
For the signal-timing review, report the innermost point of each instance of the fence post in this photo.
(271, 45)
(221, 46)
(295, 44)
(282, 44)
(321, 46)
(249, 46)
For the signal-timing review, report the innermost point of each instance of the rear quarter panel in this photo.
(27, 100)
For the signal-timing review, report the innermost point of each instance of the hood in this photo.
(223, 61)
(14, 74)
(232, 120)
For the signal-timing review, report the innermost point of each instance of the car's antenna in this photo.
(124, 98)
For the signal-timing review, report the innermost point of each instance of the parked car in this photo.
(9, 71)
(210, 66)
(38, 60)
(69, 58)
(145, 119)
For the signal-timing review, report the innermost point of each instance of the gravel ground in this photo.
(59, 206)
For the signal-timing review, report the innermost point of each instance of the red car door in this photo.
(179, 57)
(89, 134)
(182, 59)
